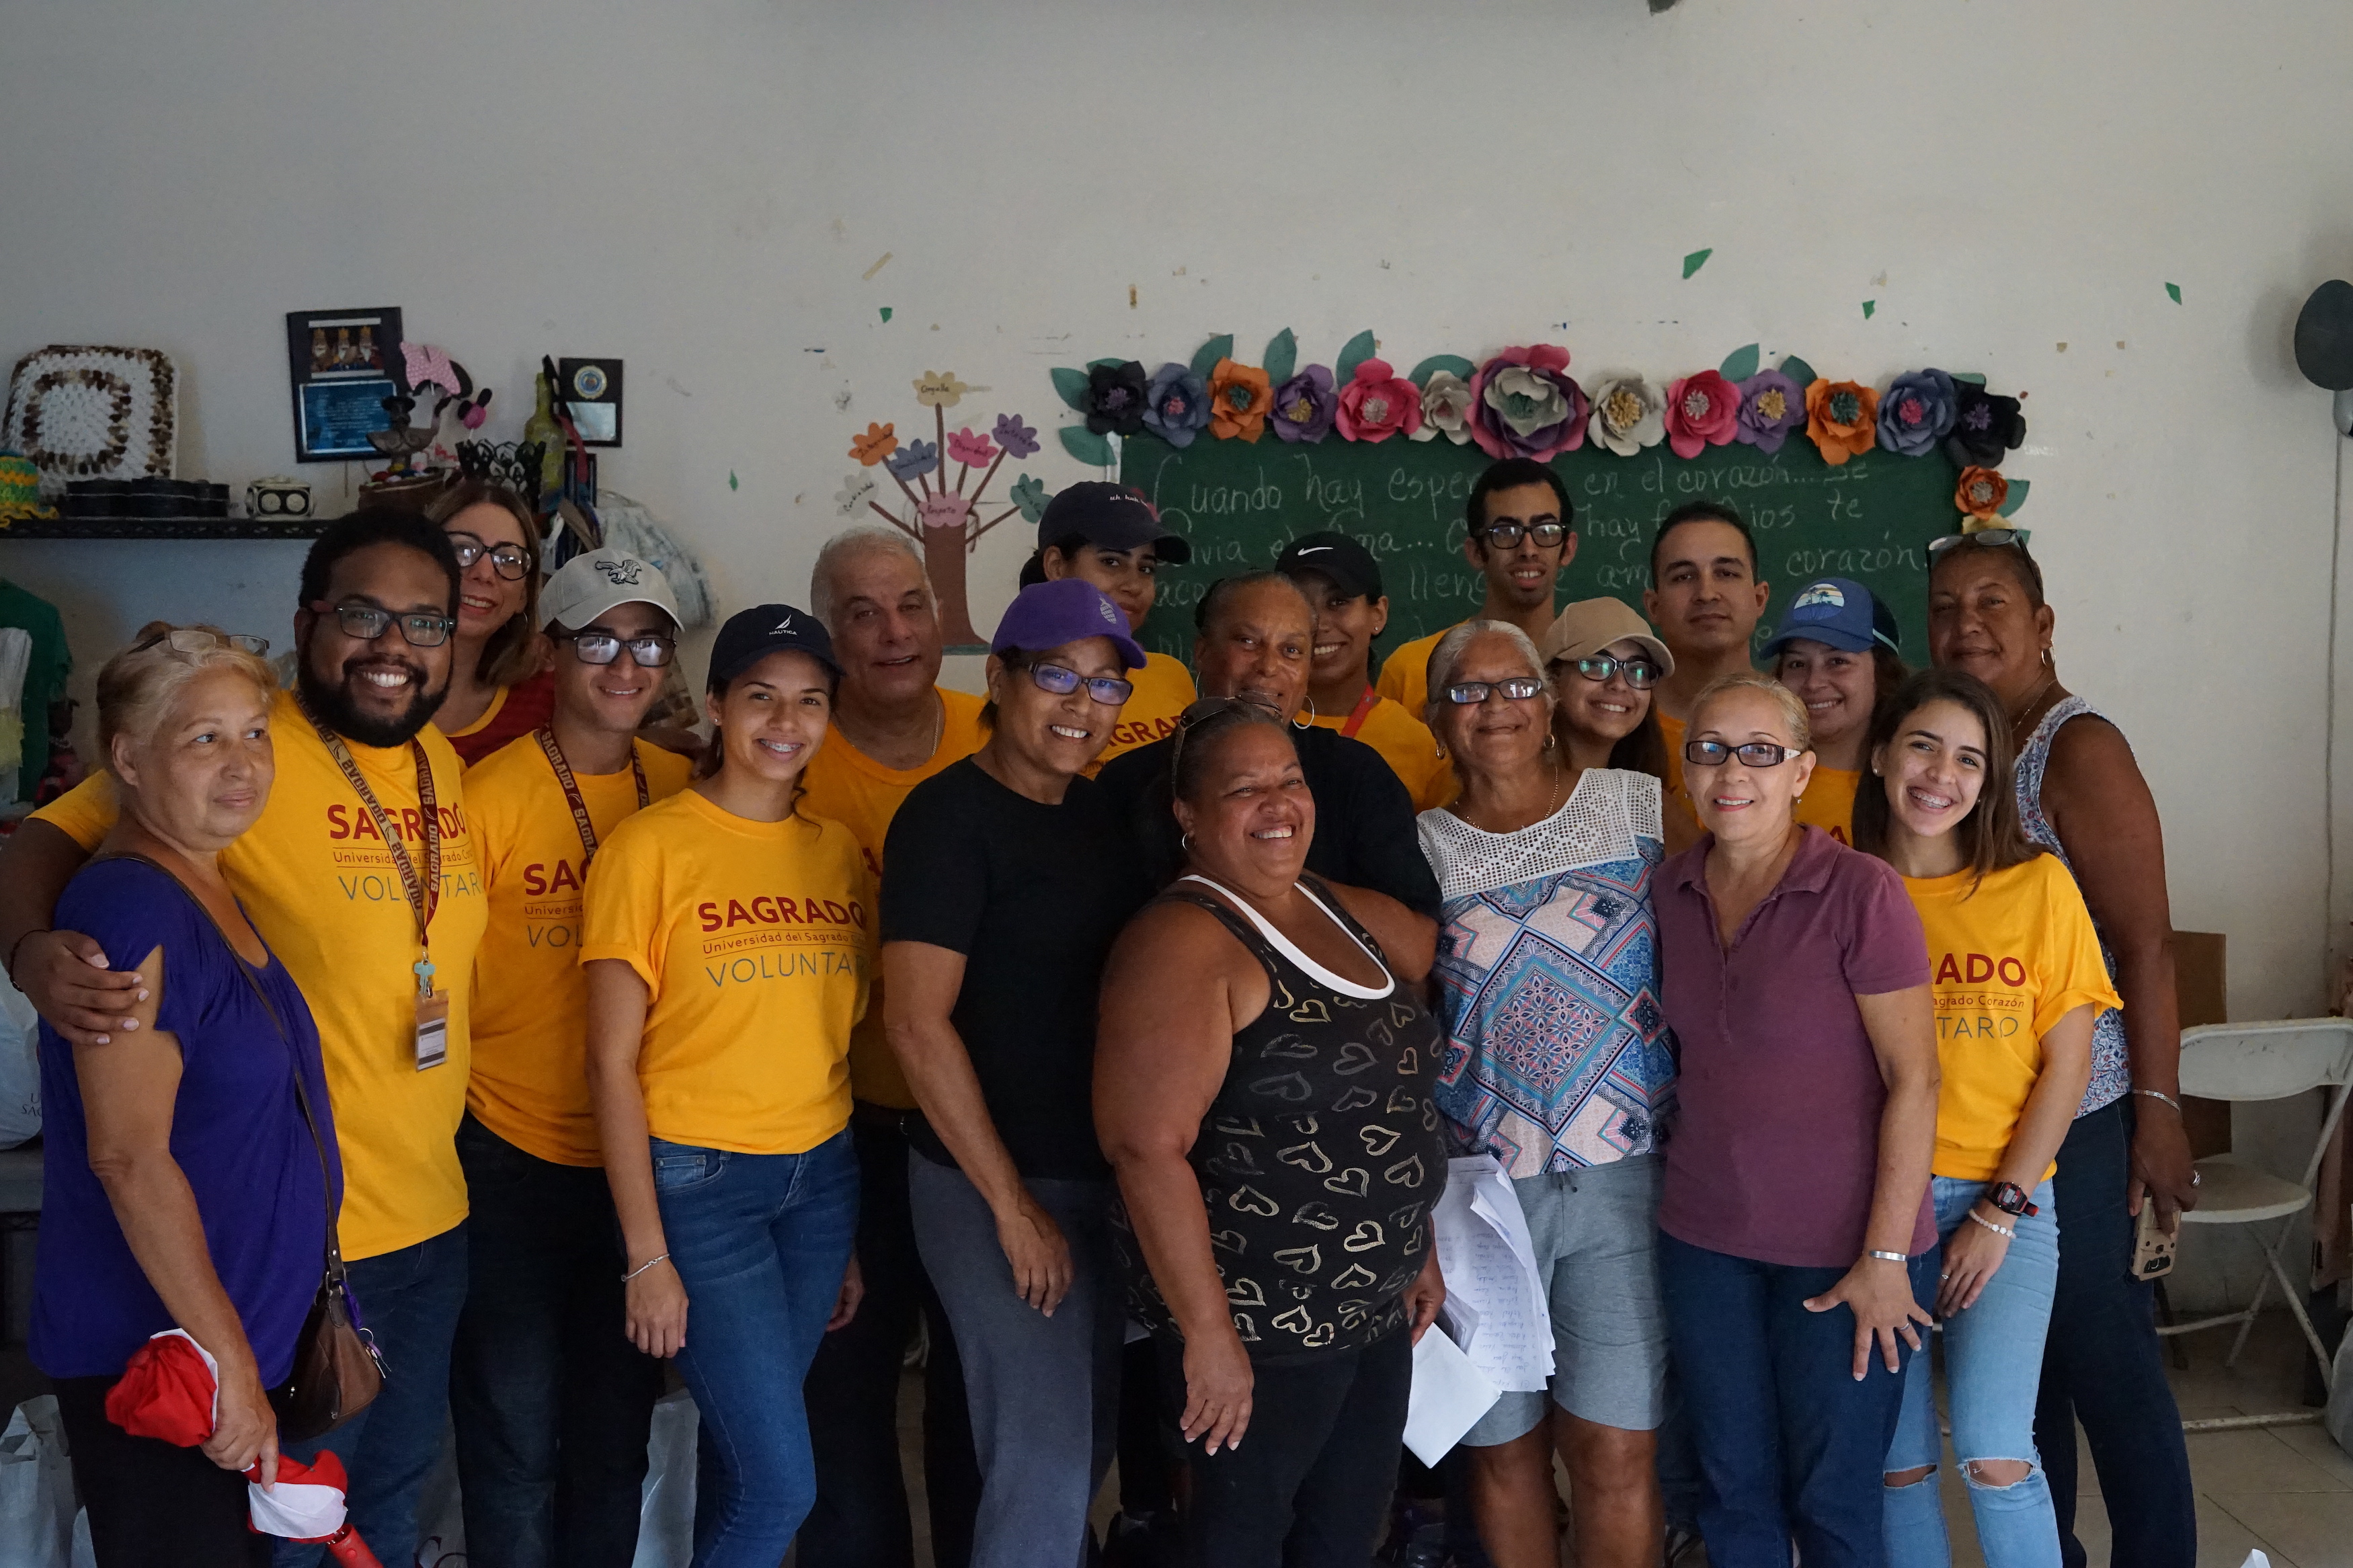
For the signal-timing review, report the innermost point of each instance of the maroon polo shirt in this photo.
(1775, 1151)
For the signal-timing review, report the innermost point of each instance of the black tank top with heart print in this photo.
(1321, 1157)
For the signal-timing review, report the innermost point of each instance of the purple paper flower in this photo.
(1984, 427)
(1018, 440)
(1115, 398)
(913, 460)
(1524, 404)
(1304, 405)
(1916, 412)
(1771, 405)
(1176, 404)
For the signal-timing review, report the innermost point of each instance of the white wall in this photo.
(698, 186)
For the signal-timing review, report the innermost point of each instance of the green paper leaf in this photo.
(886, 312)
(1973, 377)
(1695, 261)
(1799, 370)
(731, 480)
(1868, 307)
(1205, 362)
(1281, 357)
(1740, 363)
(1422, 373)
(1352, 352)
(1086, 446)
(1073, 386)
(1114, 361)
(2017, 489)
(2174, 290)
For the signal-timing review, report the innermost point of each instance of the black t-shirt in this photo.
(1033, 897)
(1364, 817)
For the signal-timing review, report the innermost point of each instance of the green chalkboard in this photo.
(1239, 503)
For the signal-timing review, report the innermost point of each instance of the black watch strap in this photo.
(2012, 1199)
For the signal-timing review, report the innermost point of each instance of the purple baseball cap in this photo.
(1048, 614)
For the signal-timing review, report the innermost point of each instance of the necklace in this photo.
(2028, 711)
(1552, 804)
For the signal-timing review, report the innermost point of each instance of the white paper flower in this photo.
(1445, 409)
(1628, 414)
(1525, 401)
(856, 490)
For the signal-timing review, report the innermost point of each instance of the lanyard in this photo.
(545, 736)
(425, 899)
(1356, 716)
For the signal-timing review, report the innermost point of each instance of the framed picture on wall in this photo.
(343, 364)
(591, 389)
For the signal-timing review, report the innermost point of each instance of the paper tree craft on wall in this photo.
(945, 518)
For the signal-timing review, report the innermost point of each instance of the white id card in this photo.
(432, 1030)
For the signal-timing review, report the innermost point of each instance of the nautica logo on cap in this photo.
(784, 626)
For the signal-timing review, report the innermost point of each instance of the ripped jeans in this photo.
(1993, 1365)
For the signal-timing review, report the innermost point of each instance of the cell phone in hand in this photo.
(2153, 1243)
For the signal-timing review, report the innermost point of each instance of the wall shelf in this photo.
(164, 528)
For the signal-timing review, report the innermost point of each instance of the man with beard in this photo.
(363, 876)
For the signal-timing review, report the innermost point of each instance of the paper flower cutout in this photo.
(971, 450)
(1378, 403)
(1628, 415)
(1916, 412)
(1771, 405)
(939, 389)
(1176, 404)
(1240, 397)
(1018, 440)
(913, 462)
(879, 442)
(1445, 409)
(946, 509)
(1984, 427)
(1303, 406)
(855, 492)
(1980, 494)
(1030, 496)
(1702, 411)
(1524, 405)
(1115, 398)
(1842, 420)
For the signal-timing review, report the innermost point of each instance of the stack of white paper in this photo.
(1491, 1275)
(1449, 1396)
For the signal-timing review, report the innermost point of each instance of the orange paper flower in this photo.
(879, 442)
(1240, 397)
(1982, 493)
(1842, 420)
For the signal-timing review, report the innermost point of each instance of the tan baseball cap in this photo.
(1590, 626)
(587, 585)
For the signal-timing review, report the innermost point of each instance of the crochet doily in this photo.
(84, 412)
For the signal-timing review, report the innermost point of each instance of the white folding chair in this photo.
(2264, 1061)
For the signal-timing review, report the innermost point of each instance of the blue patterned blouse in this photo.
(2111, 1066)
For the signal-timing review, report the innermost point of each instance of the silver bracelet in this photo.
(2160, 1094)
(2003, 1231)
(642, 1268)
(1887, 1257)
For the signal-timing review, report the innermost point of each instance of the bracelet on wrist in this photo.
(2160, 1095)
(1887, 1257)
(2003, 1231)
(9, 968)
(642, 1268)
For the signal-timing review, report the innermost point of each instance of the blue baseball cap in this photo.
(751, 635)
(1841, 613)
(1048, 614)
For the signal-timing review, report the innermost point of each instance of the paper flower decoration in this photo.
(939, 389)
(1018, 440)
(1628, 415)
(1980, 494)
(972, 450)
(1115, 398)
(1771, 405)
(1240, 397)
(913, 462)
(1524, 405)
(945, 509)
(1445, 409)
(855, 492)
(879, 442)
(1842, 420)
(1702, 411)
(1030, 496)
(1984, 427)
(1378, 403)
(1304, 405)
(1176, 404)
(1916, 412)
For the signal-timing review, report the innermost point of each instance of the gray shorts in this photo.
(1595, 1234)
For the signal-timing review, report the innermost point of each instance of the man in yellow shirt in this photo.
(364, 876)
(1344, 583)
(551, 1403)
(1522, 534)
(1705, 598)
(893, 727)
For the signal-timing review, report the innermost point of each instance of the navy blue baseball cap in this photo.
(1112, 516)
(751, 635)
(1048, 614)
(1840, 613)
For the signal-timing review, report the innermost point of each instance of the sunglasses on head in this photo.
(196, 639)
(1984, 539)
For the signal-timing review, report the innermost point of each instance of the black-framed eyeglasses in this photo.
(1547, 535)
(509, 561)
(1640, 673)
(593, 647)
(366, 623)
(1107, 689)
(1518, 688)
(196, 639)
(1984, 539)
(1752, 754)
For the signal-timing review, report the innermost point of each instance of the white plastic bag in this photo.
(630, 529)
(666, 1502)
(36, 1489)
(20, 1067)
(2339, 1415)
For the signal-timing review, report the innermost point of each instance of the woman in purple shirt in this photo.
(1797, 1241)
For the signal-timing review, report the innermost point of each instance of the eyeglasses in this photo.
(1519, 689)
(1507, 534)
(604, 647)
(1109, 690)
(1984, 539)
(366, 623)
(1755, 753)
(509, 562)
(1640, 673)
(196, 639)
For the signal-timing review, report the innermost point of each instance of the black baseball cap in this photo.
(751, 635)
(1349, 564)
(1112, 516)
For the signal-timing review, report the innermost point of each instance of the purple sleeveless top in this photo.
(2111, 1067)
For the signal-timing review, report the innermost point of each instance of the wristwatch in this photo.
(2011, 1198)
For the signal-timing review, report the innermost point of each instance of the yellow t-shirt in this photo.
(324, 894)
(529, 1079)
(1829, 802)
(1405, 674)
(1164, 690)
(1404, 743)
(756, 941)
(846, 785)
(2007, 962)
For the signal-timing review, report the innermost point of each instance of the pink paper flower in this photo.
(1702, 410)
(971, 450)
(946, 510)
(1524, 405)
(1378, 403)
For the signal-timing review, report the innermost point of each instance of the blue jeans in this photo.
(760, 1242)
(1790, 1444)
(409, 1301)
(1993, 1366)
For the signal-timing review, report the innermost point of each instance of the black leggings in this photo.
(152, 1504)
